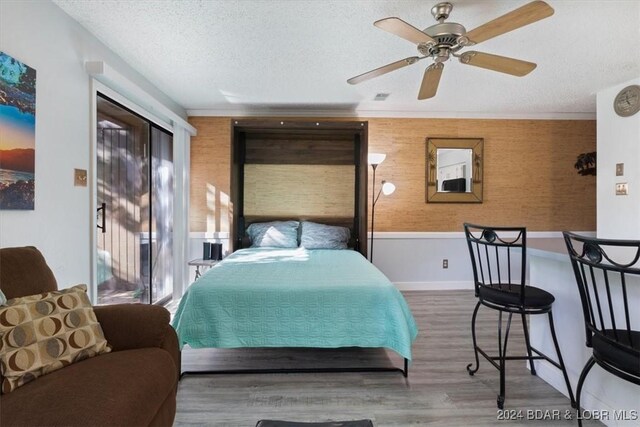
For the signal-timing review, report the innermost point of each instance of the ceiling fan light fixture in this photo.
(442, 56)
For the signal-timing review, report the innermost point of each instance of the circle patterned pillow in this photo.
(43, 333)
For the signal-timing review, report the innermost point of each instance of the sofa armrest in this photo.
(131, 326)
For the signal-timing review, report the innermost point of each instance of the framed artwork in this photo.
(18, 130)
(454, 170)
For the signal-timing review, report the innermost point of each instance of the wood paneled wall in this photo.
(528, 174)
(211, 175)
(299, 190)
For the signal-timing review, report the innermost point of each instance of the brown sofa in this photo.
(134, 385)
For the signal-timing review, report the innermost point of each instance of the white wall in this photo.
(41, 35)
(414, 260)
(618, 142)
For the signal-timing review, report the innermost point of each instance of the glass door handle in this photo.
(103, 208)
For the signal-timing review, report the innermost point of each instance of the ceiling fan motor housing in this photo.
(446, 35)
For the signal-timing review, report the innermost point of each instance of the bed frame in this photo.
(300, 142)
(404, 371)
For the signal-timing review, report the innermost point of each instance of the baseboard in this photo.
(553, 376)
(433, 286)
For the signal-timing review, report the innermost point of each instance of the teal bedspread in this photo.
(263, 297)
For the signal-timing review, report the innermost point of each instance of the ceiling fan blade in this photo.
(383, 70)
(430, 81)
(502, 64)
(525, 15)
(403, 29)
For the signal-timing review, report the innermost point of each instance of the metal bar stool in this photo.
(498, 257)
(604, 281)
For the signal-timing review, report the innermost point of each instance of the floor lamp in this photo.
(387, 188)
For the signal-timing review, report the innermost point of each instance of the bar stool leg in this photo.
(583, 376)
(503, 354)
(475, 346)
(560, 361)
(528, 343)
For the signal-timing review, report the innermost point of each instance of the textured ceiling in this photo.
(296, 55)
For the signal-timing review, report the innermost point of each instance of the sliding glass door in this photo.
(135, 207)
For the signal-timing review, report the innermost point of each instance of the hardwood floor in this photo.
(438, 392)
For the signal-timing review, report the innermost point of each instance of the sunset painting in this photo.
(17, 134)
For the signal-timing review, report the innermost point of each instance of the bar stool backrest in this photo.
(498, 257)
(607, 272)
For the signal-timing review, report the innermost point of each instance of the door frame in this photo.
(96, 88)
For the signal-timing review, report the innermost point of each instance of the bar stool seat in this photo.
(616, 356)
(509, 294)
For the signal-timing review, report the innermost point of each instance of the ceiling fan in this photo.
(445, 39)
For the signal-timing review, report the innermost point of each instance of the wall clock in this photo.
(627, 102)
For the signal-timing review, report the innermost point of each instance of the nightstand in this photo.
(202, 263)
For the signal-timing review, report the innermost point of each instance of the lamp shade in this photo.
(376, 158)
(388, 188)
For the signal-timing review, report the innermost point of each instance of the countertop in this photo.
(552, 248)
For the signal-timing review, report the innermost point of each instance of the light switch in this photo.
(619, 169)
(622, 189)
(80, 177)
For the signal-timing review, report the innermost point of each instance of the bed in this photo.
(295, 185)
(295, 297)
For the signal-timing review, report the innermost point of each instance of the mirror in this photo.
(454, 170)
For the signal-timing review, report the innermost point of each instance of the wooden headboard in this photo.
(301, 170)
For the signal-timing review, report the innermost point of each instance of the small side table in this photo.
(202, 263)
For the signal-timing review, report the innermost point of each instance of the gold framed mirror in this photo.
(454, 170)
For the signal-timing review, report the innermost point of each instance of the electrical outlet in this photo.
(445, 263)
(622, 189)
(619, 169)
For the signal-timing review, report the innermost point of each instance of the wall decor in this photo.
(586, 163)
(454, 170)
(17, 125)
(627, 102)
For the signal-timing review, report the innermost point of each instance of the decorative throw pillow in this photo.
(42, 333)
(275, 234)
(321, 236)
(3, 299)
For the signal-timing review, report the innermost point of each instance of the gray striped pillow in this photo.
(321, 236)
(275, 234)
